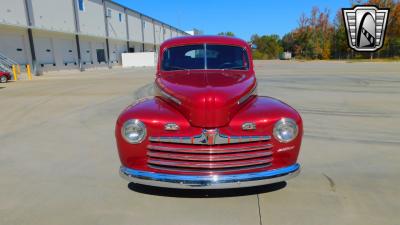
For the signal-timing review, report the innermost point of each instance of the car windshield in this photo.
(188, 57)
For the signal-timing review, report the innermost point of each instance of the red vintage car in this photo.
(206, 127)
(4, 77)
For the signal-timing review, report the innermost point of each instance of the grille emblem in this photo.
(210, 136)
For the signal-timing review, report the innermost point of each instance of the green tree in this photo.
(313, 37)
(266, 46)
(340, 47)
(318, 38)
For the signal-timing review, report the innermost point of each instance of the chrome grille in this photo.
(212, 158)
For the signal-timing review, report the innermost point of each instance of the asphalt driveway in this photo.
(59, 165)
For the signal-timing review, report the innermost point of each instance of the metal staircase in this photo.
(6, 63)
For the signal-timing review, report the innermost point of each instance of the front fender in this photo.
(154, 113)
(265, 112)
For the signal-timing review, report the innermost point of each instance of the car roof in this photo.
(200, 39)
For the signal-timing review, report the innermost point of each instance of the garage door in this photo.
(116, 50)
(67, 49)
(113, 53)
(86, 53)
(44, 50)
(13, 46)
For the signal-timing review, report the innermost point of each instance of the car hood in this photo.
(207, 99)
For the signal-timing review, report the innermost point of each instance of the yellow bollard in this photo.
(14, 72)
(18, 69)
(28, 71)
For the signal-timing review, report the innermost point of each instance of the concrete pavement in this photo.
(59, 165)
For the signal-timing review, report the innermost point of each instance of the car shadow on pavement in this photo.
(195, 193)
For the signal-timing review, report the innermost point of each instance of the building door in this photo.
(101, 56)
(113, 53)
(67, 49)
(86, 52)
(44, 50)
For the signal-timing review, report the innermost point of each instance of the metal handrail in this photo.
(5, 60)
(6, 63)
(4, 68)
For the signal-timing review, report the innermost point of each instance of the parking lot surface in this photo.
(59, 164)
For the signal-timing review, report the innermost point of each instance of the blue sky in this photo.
(244, 18)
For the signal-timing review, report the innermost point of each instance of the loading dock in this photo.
(56, 35)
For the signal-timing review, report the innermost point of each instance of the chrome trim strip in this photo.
(170, 97)
(209, 165)
(248, 95)
(209, 181)
(209, 150)
(237, 170)
(209, 137)
(209, 157)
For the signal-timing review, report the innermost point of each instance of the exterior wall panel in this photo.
(174, 33)
(148, 48)
(136, 46)
(167, 34)
(14, 44)
(55, 51)
(92, 50)
(135, 27)
(116, 21)
(158, 33)
(116, 49)
(66, 50)
(44, 50)
(91, 18)
(13, 12)
(54, 15)
(148, 30)
(86, 52)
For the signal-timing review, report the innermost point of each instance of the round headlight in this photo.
(133, 131)
(285, 130)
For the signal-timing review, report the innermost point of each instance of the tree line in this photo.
(319, 37)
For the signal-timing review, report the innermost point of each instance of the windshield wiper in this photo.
(178, 68)
(235, 68)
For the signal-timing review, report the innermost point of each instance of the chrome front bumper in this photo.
(209, 181)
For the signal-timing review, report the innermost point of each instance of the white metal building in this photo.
(76, 34)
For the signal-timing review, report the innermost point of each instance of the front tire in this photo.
(3, 79)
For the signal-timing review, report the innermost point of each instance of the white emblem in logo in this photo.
(365, 27)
